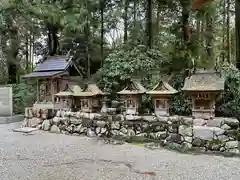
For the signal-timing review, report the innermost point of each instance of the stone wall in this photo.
(219, 134)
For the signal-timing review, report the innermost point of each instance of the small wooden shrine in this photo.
(67, 97)
(131, 95)
(161, 95)
(90, 98)
(52, 74)
(202, 87)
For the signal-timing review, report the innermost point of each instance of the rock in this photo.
(222, 149)
(46, 125)
(235, 151)
(173, 118)
(223, 138)
(232, 122)
(78, 115)
(55, 129)
(174, 138)
(225, 127)
(90, 133)
(199, 122)
(131, 117)
(185, 130)
(39, 127)
(62, 113)
(198, 142)
(64, 120)
(158, 135)
(25, 122)
(34, 122)
(83, 130)
(162, 119)
(103, 130)
(44, 114)
(98, 130)
(188, 139)
(58, 114)
(207, 133)
(124, 130)
(56, 120)
(187, 145)
(142, 134)
(131, 132)
(78, 128)
(75, 134)
(91, 116)
(75, 121)
(101, 124)
(216, 122)
(186, 121)
(30, 113)
(115, 132)
(231, 144)
(116, 125)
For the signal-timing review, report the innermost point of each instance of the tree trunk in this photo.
(134, 13)
(27, 54)
(13, 49)
(228, 33)
(149, 32)
(186, 30)
(52, 39)
(223, 30)
(158, 18)
(102, 30)
(237, 27)
(209, 40)
(126, 21)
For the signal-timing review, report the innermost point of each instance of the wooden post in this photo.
(52, 90)
(38, 90)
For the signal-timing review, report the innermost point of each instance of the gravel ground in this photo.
(46, 156)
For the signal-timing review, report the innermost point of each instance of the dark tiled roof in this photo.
(53, 63)
(42, 74)
(204, 80)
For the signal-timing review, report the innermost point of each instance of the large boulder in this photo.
(90, 133)
(74, 120)
(185, 130)
(46, 125)
(207, 133)
(231, 144)
(34, 122)
(216, 122)
(55, 129)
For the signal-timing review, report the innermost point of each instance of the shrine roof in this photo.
(162, 88)
(134, 87)
(70, 91)
(204, 80)
(90, 90)
(50, 66)
(42, 74)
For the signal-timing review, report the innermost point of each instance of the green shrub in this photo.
(23, 96)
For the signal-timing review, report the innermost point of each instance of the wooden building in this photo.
(131, 95)
(52, 75)
(89, 98)
(161, 95)
(202, 87)
(67, 97)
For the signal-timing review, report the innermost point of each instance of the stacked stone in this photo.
(219, 134)
(35, 117)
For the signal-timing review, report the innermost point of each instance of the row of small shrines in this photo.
(201, 87)
(89, 98)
